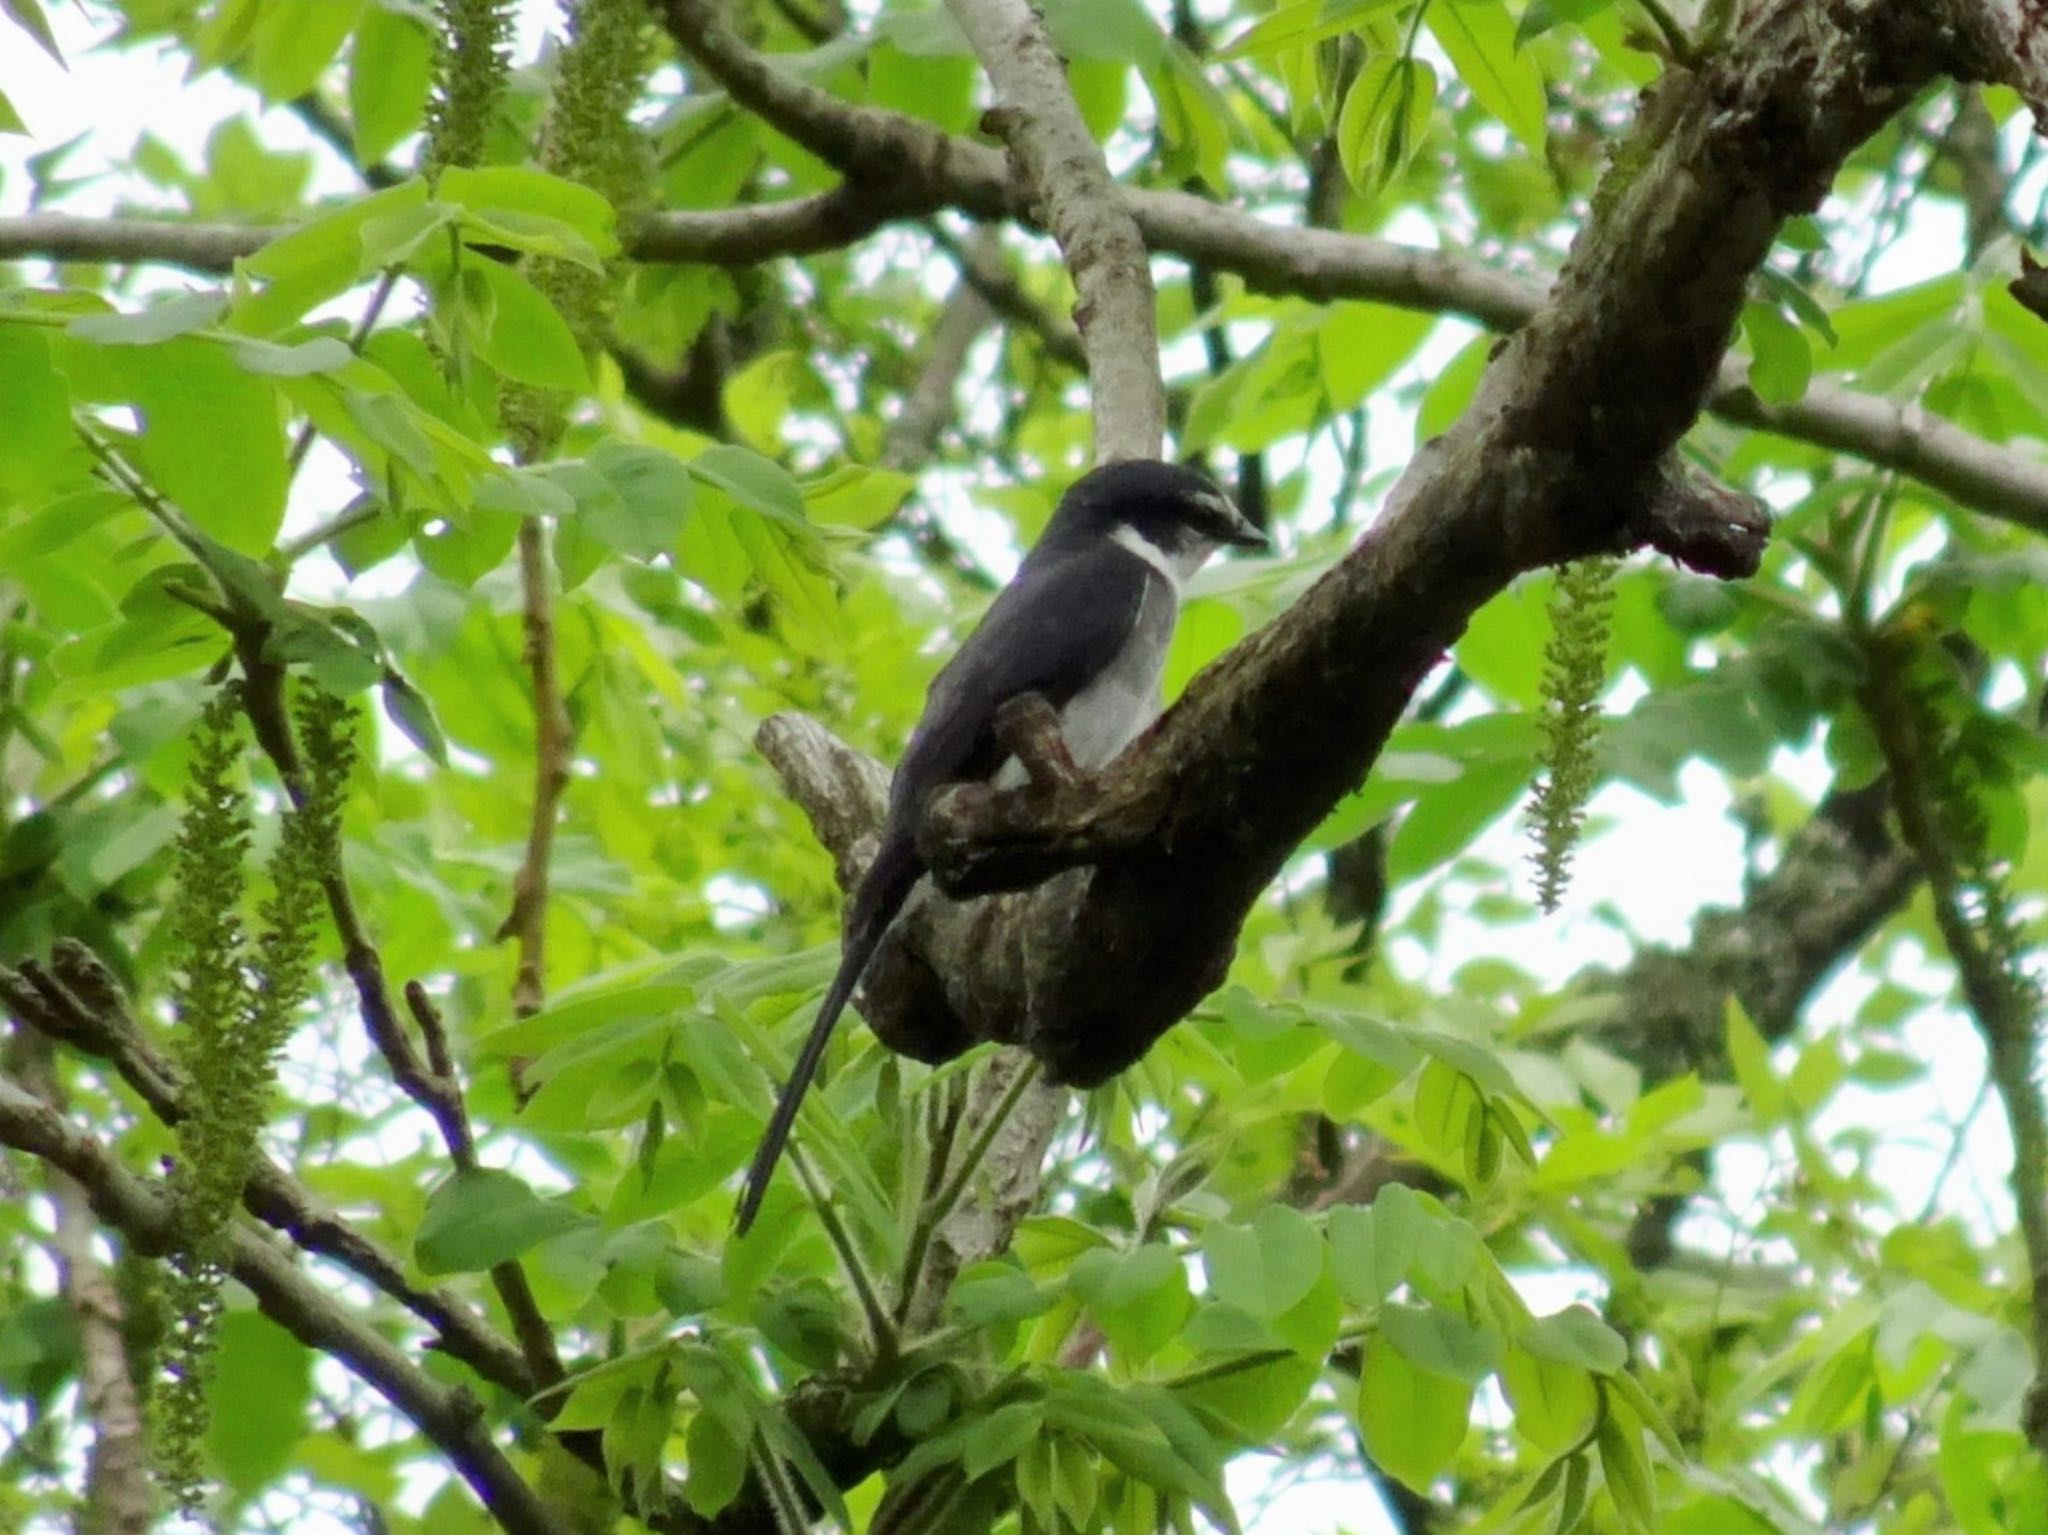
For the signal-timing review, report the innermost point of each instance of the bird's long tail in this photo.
(883, 890)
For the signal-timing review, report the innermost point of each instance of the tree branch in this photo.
(77, 1002)
(1058, 163)
(527, 921)
(438, 1092)
(450, 1417)
(119, 1494)
(1273, 258)
(1561, 454)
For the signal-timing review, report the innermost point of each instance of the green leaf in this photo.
(319, 259)
(36, 434)
(1576, 1336)
(1445, 821)
(1273, 394)
(990, 1293)
(1554, 1403)
(1432, 1338)
(651, 496)
(57, 523)
(262, 1383)
(855, 496)
(10, 119)
(1629, 1391)
(803, 1321)
(937, 88)
(1412, 1420)
(1354, 1257)
(28, 15)
(688, 1285)
(1256, 1396)
(411, 711)
(1627, 1472)
(757, 483)
(295, 41)
(478, 1219)
(1445, 1103)
(160, 321)
(1751, 1059)
(1781, 358)
(1303, 22)
(212, 440)
(1542, 15)
(1398, 1220)
(1139, 1298)
(336, 659)
(1034, 1482)
(513, 199)
(1000, 1437)
(1267, 1267)
(322, 354)
(1360, 346)
(1386, 113)
(395, 238)
(390, 70)
(524, 336)
(717, 1465)
(1479, 36)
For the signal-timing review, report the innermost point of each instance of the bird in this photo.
(1085, 623)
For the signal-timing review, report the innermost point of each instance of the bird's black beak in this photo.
(1228, 525)
(1243, 535)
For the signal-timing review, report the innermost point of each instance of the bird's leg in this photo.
(1029, 729)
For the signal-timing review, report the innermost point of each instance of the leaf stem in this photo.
(303, 443)
(880, 1323)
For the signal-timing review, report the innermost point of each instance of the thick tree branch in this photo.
(450, 1417)
(1326, 265)
(1061, 167)
(1561, 454)
(882, 149)
(1274, 258)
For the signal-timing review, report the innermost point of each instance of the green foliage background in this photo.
(1335, 1217)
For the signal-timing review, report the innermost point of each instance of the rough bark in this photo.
(1562, 454)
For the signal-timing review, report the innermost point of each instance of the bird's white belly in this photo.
(1106, 716)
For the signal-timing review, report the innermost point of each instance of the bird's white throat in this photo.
(1176, 566)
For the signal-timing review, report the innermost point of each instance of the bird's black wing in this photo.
(1051, 631)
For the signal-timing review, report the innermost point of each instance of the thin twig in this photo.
(449, 1417)
(358, 337)
(527, 921)
(349, 518)
(76, 1001)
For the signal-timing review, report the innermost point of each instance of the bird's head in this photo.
(1177, 510)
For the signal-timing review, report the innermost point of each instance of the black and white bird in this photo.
(1085, 624)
